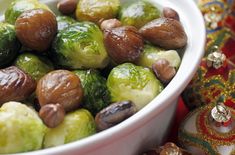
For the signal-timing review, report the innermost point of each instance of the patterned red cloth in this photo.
(181, 113)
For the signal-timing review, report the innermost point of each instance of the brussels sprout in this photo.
(21, 129)
(95, 10)
(80, 46)
(152, 54)
(9, 44)
(35, 66)
(138, 13)
(17, 7)
(76, 125)
(134, 83)
(96, 94)
(64, 21)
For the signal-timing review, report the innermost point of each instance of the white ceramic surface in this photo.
(149, 126)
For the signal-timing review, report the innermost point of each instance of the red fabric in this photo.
(181, 113)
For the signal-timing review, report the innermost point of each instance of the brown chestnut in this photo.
(114, 114)
(52, 115)
(36, 29)
(110, 23)
(67, 6)
(15, 85)
(170, 13)
(62, 87)
(123, 44)
(165, 32)
(163, 70)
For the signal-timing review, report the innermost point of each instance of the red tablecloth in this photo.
(181, 113)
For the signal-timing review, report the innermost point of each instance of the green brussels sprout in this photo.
(17, 7)
(95, 10)
(138, 13)
(21, 129)
(80, 46)
(9, 45)
(135, 83)
(96, 94)
(64, 21)
(151, 54)
(35, 66)
(76, 125)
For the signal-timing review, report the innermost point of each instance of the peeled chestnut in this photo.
(15, 85)
(67, 6)
(62, 87)
(52, 115)
(114, 114)
(170, 13)
(165, 32)
(110, 23)
(36, 29)
(163, 70)
(123, 44)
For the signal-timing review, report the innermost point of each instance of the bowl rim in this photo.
(157, 105)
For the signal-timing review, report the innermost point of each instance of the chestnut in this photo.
(170, 13)
(114, 114)
(15, 85)
(67, 6)
(62, 87)
(163, 71)
(52, 115)
(110, 23)
(167, 33)
(36, 29)
(123, 44)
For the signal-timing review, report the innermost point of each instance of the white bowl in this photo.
(149, 126)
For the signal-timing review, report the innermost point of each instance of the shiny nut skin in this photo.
(15, 85)
(114, 114)
(67, 6)
(36, 29)
(163, 70)
(170, 13)
(62, 87)
(165, 32)
(110, 23)
(52, 115)
(123, 44)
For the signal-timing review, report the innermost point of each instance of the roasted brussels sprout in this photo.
(138, 13)
(34, 65)
(21, 129)
(134, 83)
(76, 125)
(80, 46)
(96, 94)
(95, 10)
(17, 7)
(152, 54)
(64, 21)
(9, 45)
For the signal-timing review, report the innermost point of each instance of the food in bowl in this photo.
(94, 75)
